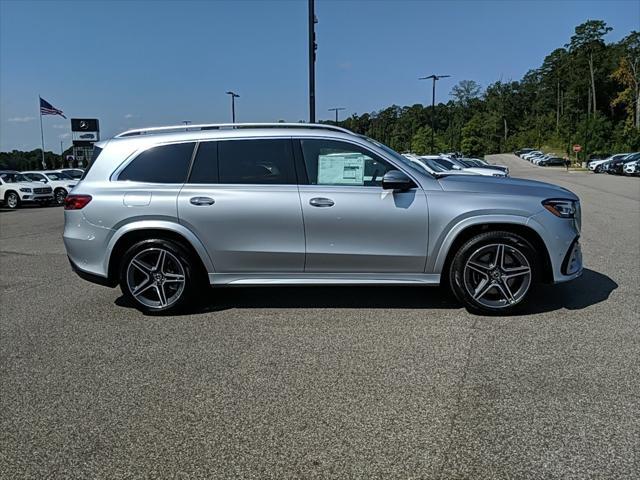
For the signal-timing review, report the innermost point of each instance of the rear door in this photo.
(242, 201)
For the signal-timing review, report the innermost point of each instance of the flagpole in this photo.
(44, 165)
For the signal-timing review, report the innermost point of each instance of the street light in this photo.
(313, 46)
(233, 105)
(336, 109)
(433, 105)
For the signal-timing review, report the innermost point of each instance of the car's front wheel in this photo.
(157, 275)
(12, 200)
(493, 272)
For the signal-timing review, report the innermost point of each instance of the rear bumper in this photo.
(92, 277)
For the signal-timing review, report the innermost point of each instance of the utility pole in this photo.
(433, 106)
(186, 123)
(313, 46)
(336, 109)
(233, 105)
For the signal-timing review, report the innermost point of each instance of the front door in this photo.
(351, 224)
(241, 200)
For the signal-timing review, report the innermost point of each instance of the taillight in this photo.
(76, 202)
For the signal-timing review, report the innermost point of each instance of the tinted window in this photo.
(205, 166)
(256, 162)
(36, 177)
(331, 162)
(163, 164)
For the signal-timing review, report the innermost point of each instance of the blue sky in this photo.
(160, 62)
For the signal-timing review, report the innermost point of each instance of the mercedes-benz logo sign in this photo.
(83, 125)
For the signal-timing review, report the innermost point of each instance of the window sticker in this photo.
(341, 169)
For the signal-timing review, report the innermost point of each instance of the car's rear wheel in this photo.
(157, 275)
(12, 200)
(59, 196)
(493, 272)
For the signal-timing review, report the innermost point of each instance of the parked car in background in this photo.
(75, 173)
(616, 167)
(429, 163)
(304, 204)
(552, 162)
(16, 189)
(476, 163)
(530, 155)
(59, 181)
(597, 166)
(632, 168)
(522, 151)
(451, 164)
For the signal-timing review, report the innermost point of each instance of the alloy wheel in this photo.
(60, 196)
(156, 278)
(12, 200)
(497, 276)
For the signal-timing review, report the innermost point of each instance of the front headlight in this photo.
(561, 208)
(25, 190)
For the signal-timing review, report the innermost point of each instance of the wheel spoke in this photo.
(159, 267)
(143, 287)
(477, 267)
(499, 260)
(506, 292)
(141, 266)
(482, 289)
(173, 277)
(516, 272)
(162, 296)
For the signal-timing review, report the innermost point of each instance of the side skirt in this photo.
(324, 279)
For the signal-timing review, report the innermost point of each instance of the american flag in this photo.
(47, 109)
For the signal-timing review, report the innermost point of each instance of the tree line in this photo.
(586, 92)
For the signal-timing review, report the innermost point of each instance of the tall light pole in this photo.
(313, 46)
(433, 106)
(233, 105)
(336, 109)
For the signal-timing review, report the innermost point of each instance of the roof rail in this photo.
(219, 126)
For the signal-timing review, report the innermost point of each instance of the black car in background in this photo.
(553, 162)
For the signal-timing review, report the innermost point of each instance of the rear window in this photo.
(268, 161)
(162, 164)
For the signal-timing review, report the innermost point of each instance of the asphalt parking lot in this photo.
(324, 382)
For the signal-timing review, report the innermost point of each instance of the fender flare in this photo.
(441, 252)
(169, 226)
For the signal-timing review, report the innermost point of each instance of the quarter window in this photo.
(330, 162)
(162, 164)
(268, 161)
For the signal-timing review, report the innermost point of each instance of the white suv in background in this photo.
(16, 188)
(60, 182)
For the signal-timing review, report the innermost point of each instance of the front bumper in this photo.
(38, 197)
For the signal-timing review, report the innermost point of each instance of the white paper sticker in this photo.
(341, 169)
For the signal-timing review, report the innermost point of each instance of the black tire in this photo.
(12, 200)
(143, 251)
(59, 195)
(505, 286)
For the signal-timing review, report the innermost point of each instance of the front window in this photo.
(335, 163)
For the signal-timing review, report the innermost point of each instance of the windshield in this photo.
(58, 176)
(396, 156)
(14, 177)
(74, 174)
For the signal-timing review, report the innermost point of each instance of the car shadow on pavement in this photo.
(588, 289)
(591, 288)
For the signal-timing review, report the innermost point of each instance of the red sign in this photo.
(577, 148)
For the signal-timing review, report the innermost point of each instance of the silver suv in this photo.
(164, 211)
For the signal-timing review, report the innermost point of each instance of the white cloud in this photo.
(64, 135)
(21, 119)
(129, 115)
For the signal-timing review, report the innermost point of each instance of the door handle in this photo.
(201, 201)
(321, 202)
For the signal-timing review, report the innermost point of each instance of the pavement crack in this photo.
(458, 400)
